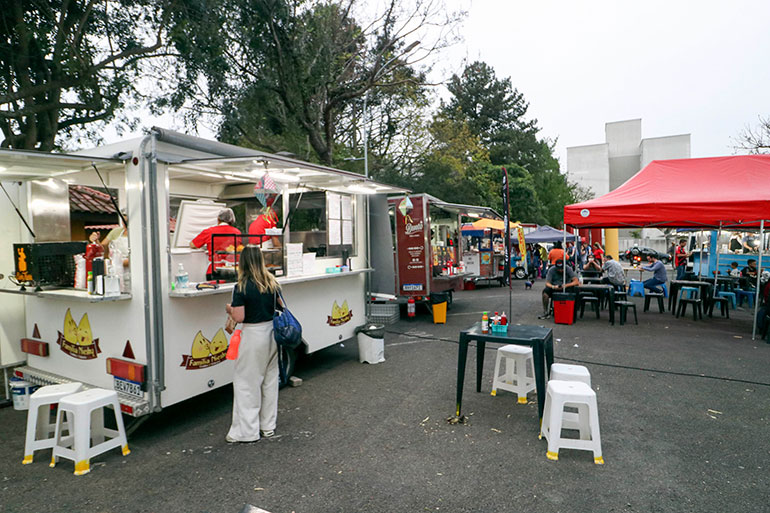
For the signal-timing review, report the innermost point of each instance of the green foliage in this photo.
(293, 74)
(65, 64)
(495, 113)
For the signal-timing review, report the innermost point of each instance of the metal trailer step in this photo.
(128, 405)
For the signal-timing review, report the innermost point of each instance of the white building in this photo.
(603, 167)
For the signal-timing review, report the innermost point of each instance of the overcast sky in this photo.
(701, 68)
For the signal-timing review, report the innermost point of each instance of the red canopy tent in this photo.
(717, 192)
(685, 193)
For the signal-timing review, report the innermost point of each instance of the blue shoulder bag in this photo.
(287, 330)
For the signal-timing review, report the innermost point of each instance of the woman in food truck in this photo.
(225, 222)
(266, 220)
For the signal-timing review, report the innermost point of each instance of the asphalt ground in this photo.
(684, 410)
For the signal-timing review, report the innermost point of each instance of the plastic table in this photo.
(539, 338)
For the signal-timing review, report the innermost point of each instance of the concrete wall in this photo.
(662, 148)
(589, 167)
(623, 137)
(621, 169)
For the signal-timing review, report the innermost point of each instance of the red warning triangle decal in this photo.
(127, 351)
(35, 332)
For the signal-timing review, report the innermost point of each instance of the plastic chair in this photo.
(588, 298)
(635, 288)
(566, 372)
(740, 294)
(39, 427)
(728, 295)
(624, 306)
(519, 371)
(573, 393)
(654, 295)
(724, 307)
(89, 427)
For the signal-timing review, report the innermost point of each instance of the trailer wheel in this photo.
(519, 273)
(288, 359)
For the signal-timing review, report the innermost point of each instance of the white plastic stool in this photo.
(39, 426)
(87, 409)
(519, 371)
(565, 372)
(571, 393)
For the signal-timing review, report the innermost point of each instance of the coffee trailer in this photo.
(428, 246)
(154, 343)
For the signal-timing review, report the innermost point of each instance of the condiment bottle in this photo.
(503, 319)
(496, 318)
(484, 323)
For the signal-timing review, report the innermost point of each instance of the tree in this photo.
(293, 72)
(455, 166)
(66, 64)
(755, 139)
(495, 112)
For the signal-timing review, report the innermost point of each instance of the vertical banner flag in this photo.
(523, 248)
(507, 221)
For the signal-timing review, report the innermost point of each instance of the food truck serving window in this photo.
(324, 222)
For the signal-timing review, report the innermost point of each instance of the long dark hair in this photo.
(251, 266)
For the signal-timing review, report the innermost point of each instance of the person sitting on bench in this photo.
(658, 276)
(554, 282)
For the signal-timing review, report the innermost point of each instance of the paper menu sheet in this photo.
(294, 261)
(308, 263)
(335, 232)
(347, 208)
(333, 201)
(347, 232)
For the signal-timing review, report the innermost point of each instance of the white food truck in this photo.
(153, 342)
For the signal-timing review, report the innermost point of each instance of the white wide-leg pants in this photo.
(255, 383)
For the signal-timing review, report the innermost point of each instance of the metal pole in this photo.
(716, 250)
(700, 243)
(564, 257)
(759, 278)
(367, 279)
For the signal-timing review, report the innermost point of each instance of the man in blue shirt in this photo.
(658, 276)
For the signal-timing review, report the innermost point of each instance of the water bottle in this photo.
(182, 278)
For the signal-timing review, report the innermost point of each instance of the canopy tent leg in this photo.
(564, 256)
(759, 277)
(716, 250)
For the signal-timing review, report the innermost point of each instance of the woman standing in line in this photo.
(255, 383)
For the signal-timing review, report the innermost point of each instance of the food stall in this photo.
(150, 337)
(428, 248)
(483, 250)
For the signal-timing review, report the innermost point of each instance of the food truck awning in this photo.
(23, 165)
(458, 208)
(283, 170)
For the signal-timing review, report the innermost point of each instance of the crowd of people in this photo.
(591, 261)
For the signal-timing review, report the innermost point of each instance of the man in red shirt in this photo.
(266, 220)
(225, 222)
(680, 259)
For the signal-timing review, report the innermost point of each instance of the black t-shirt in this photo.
(259, 306)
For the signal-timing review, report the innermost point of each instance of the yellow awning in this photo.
(493, 224)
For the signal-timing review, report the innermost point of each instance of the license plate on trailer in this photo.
(128, 387)
(411, 287)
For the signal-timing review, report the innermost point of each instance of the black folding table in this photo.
(540, 339)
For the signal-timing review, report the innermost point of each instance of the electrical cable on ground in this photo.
(614, 365)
